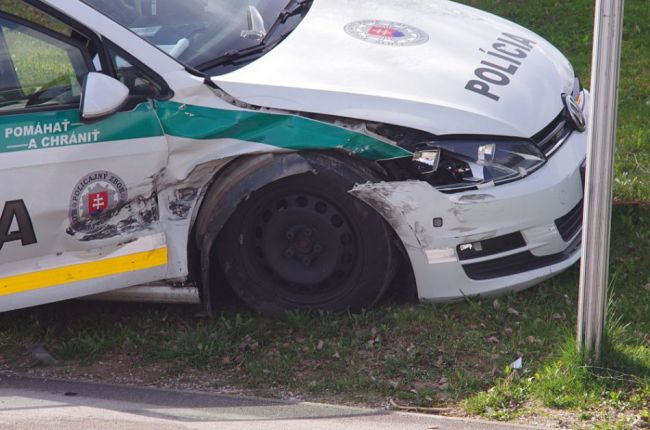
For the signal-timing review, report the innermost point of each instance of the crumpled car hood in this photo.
(431, 65)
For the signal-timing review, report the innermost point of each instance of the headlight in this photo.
(469, 163)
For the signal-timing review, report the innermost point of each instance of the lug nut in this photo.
(306, 261)
(318, 248)
(289, 253)
(290, 235)
(308, 232)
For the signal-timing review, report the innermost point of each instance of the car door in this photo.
(78, 200)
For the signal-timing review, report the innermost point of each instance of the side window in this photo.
(136, 79)
(37, 68)
(27, 12)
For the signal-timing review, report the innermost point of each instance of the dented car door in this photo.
(78, 200)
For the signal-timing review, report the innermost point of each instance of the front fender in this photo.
(241, 178)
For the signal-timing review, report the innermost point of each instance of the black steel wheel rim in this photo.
(303, 244)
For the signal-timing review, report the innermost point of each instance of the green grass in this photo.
(568, 25)
(426, 355)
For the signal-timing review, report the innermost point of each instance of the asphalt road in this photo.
(34, 404)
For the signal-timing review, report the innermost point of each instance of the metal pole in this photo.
(594, 271)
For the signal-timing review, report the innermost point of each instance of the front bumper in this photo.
(492, 240)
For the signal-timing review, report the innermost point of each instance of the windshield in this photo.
(197, 32)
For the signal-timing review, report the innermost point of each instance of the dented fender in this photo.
(241, 178)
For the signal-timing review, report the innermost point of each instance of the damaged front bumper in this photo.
(493, 240)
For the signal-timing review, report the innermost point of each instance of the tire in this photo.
(304, 243)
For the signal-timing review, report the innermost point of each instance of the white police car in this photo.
(297, 150)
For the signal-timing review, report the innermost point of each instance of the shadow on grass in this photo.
(627, 362)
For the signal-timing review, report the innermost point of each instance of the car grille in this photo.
(553, 135)
(518, 263)
(570, 223)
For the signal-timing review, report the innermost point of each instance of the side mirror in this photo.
(102, 96)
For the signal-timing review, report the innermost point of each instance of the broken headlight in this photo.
(468, 163)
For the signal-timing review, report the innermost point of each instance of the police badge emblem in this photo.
(95, 195)
(386, 33)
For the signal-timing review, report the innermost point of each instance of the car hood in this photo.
(443, 68)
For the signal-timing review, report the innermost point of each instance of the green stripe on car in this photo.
(63, 128)
(284, 131)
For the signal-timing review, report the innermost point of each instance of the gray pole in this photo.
(594, 272)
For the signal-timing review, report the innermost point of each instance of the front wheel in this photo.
(305, 243)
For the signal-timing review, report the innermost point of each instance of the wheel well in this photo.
(234, 183)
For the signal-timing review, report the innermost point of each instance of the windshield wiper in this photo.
(293, 8)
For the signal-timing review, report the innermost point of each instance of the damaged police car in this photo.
(296, 150)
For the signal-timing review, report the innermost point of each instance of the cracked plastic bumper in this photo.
(534, 211)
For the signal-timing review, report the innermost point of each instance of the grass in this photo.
(452, 355)
(622, 380)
